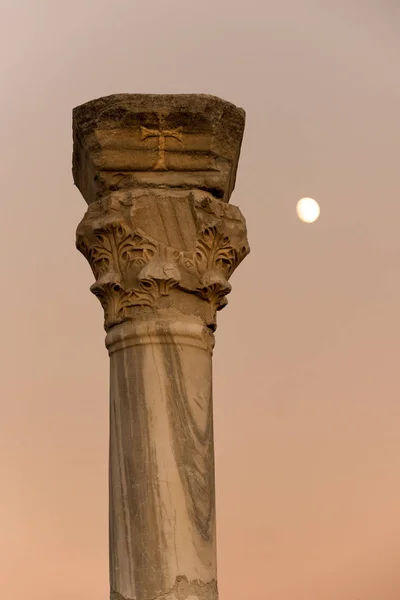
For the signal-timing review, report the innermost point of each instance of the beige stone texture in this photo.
(134, 140)
(162, 240)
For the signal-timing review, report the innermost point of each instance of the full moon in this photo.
(307, 210)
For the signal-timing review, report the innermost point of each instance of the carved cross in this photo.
(161, 134)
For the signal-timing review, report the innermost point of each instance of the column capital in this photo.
(152, 250)
(157, 172)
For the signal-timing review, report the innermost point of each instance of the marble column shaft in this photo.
(157, 172)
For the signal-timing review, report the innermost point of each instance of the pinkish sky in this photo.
(307, 375)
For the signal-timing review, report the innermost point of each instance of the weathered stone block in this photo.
(127, 141)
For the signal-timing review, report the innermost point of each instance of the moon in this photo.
(308, 210)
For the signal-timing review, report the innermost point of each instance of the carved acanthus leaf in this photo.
(215, 259)
(114, 300)
(160, 274)
(155, 280)
(214, 287)
(215, 251)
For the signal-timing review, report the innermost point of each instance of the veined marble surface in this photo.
(162, 493)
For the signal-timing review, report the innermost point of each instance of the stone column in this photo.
(157, 172)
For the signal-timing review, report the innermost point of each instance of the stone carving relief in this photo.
(161, 134)
(134, 269)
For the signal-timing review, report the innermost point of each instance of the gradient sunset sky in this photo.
(306, 365)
